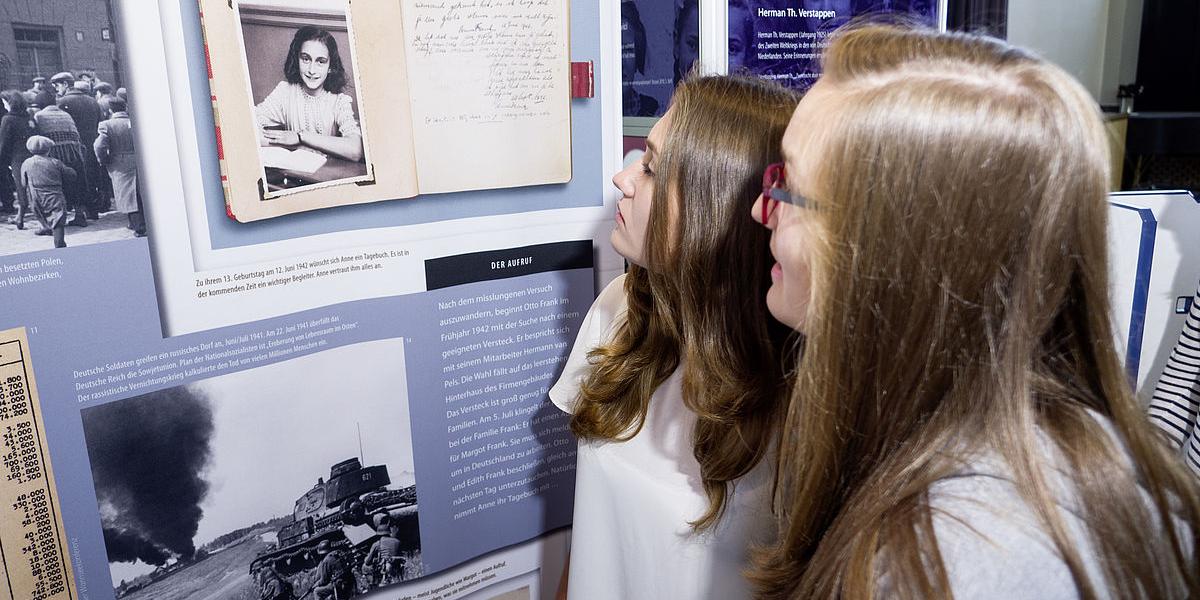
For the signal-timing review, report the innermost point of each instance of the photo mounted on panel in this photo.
(686, 35)
(448, 85)
(660, 42)
(78, 185)
(228, 486)
(288, 82)
(782, 40)
(301, 69)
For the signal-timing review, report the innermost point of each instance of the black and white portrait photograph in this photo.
(290, 480)
(301, 70)
(68, 161)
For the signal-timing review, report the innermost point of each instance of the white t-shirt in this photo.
(634, 499)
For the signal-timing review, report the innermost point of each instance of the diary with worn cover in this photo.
(322, 103)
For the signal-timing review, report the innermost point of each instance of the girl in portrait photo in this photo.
(308, 108)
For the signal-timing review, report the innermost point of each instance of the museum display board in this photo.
(322, 361)
(782, 40)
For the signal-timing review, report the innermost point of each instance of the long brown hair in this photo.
(699, 302)
(961, 309)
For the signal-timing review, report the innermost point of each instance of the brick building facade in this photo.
(43, 37)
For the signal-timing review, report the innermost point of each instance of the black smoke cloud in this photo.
(148, 455)
(127, 546)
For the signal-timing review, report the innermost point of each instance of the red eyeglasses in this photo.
(774, 192)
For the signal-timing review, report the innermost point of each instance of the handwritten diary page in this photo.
(490, 90)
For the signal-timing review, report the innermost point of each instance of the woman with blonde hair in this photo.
(960, 424)
(675, 381)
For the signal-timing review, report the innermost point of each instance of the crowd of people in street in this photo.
(67, 155)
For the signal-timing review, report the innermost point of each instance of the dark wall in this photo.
(1169, 56)
(79, 25)
(978, 16)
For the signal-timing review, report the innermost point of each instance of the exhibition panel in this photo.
(321, 363)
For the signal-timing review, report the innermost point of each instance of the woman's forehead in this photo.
(807, 127)
(658, 133)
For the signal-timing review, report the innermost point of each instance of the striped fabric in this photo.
(1175, 407)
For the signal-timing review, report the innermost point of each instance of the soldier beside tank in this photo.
(335, 576)
(273, 587)
(336, 524)
(384, 564)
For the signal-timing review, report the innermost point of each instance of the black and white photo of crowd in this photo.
(68, 165)
(68, 155)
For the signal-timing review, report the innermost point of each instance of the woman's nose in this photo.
(762, 210)
(624, 179)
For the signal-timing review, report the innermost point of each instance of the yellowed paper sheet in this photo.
(380, 85)
(490, 91)
(33, 544)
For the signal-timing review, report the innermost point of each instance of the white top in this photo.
(290, 107)
(634, 499)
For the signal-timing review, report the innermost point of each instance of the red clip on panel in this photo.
(581, 80)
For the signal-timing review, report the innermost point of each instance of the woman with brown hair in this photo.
(960, 423)
(675, 381)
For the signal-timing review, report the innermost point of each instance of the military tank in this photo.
(345, 510)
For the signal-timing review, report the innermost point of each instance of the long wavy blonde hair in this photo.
(961, 307)
(700, 301)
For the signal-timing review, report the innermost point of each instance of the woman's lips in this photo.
(776, 272)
